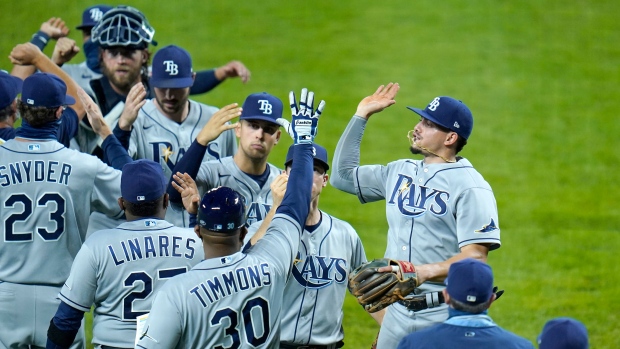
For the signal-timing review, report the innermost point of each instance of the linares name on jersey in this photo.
(151, 246)
(35, 171)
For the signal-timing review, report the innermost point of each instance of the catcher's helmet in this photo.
(222, 210)
(123, 26)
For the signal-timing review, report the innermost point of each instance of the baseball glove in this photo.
(376, 290)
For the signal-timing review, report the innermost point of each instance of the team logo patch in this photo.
(487, 228)
(150, 223)
(171, 68)
(265, 106)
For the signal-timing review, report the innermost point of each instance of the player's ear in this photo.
(451, 138)
(325, 179)
(242, 233)
(121, 204)
(193, 76)
(446, 296)
(166, 200)
(197, 231)
(59, 112)
(278, 134)
(238, 129)
(145, 56)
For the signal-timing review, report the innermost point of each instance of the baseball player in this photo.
(48, 192)
(28, 54)
(248, 171)
(439, 209)
(166, 125)
(469, 294)
(119, 270)
(237, 295)
(330, 248)
(10, 87)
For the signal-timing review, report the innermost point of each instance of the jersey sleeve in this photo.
(106, 191)
(370, 182)
(81, 285)
(477, 218)
(163, 326)
(358, 255)
(204, 179)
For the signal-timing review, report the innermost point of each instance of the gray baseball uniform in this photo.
(225, 172)
(433, 210)
(314, 296)
(48, 192)
(156, 137)
(120, 270)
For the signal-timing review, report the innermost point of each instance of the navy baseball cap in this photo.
(172, 68)
(10, 87)
(319, 153)
(143, 180)
(470, 281)
(563, 333)
(449, 113)
(92, 15)
(45, 90)
(222, 210)
(262, 106)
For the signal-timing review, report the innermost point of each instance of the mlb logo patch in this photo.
(140, 198)
(218, 227)
(150, 223)
(34, 147)
(30, 101)
(471, 298)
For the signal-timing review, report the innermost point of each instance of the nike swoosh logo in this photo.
(84, 76)
(146, 127)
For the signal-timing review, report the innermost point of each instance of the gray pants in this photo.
(25, 314)
(399, 322)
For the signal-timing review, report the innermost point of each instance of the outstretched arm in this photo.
(29, 54)
(278, 189)
(347, 154)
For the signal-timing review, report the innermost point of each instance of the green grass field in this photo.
(541, 78)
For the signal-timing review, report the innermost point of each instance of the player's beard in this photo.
(122, 83)
(415, 150)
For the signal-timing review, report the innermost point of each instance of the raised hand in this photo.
(135, 100)
(55, 28)
(186, 186)
(304, 122)
(64, 51)
(93, 112)
(381, 99)
(233, 69)
(219, 122)
(25, 54)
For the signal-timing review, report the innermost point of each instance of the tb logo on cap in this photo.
(96, 14)
(434, 104)
(171, 67)
(265, 106)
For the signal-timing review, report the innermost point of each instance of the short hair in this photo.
(473, 309)
(144, 209)
(36, 116)
(460, 142)
(6, 112)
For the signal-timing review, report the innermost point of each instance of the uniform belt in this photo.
(424, 301)
(108, 347)
(311, 346)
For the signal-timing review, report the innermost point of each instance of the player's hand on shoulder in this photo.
(219, 122)
(186, 186)
(25, 54)
(64, 51)
(278, 189)
(381, 99)
(55, 28)
(93, 112)
(304, 121)
(233, 69)
(135, 100)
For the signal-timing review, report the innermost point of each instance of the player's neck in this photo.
(177, 117)
(250, 166)
(314, 216)
(215, 250)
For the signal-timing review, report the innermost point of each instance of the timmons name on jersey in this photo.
(150, 247)
(319, 271)
(415, 200)
(30, 171)
(232, 282)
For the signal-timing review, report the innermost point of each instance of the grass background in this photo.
(541, 78)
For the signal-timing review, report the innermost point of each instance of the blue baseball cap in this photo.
(470, 281)
(563, 333)
(10, 87)
(92, 15)
(319, 153)
(172, 68)
(45, 90)
(143, 180)
(262, 106)
(449, 113)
